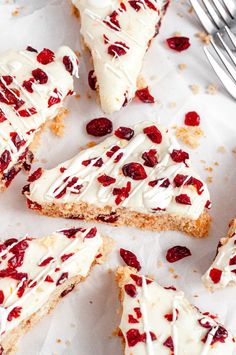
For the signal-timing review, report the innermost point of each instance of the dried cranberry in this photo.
(108, 218)
(45, 56)
(36, 175)
(31, 49)
(98, 163)
(46, 261)
(130, 289)
(124, 133)
(117, 49)
(62, 278)
(55, 99)
(28, 160)
(112, 21)
(20, 246)
(17, 260)
(135, 171)
(106, 180)
(14, 313)
(183, 199)
(179, 156)
(2, 297)
(208, 204)
(233, 262)
(122, 193)
(145, 96)
(7, 79)
(5, 160)
(137, 4)
(12, 273)
(165, 182)
(215, 275)
(131, 319)
(33, 205)
(27, 85)
(130, 259)
(118, 157)
(40, 76)
(153, 134)
(2, 116)
(66, 256)
(112, 151)
(177, 253)
(21, 289)
(27, 112)
(17, 141)
(138, 312)
(68, 64)
(219, 336)
(150, 158)
(92, 80)
(204, 323)
(49, 279)
(68, 290)
(99, 127)
(192, 119)
(70, 233)
(138, 280)
(169, 343)
(133, 337)
(91, 233)
(178, 44)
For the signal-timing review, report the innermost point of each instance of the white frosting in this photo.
(224, 263)
(82, 252)
(142, 197)
(117, 76)
(19, 65)
(181, 322)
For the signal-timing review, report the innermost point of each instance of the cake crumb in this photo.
(211, 89)
(222, 149)
(234, 150)
(209, 179)
(75, 11)
(182, 66)
(216, 163)
(77, 53)
(177, 34)
(58, 341)
(172, 104)
(67, 342)
(57, 125)
(78, 96)
(195, 296)
(190, 136)
(171, 270)
(91, 144)
(190, 10)
(16, 12)
(195, 89)
(204, 37)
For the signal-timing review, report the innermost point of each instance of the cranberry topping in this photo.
(68, 290)
(27, 112)
(70, 233)
(17, 141)
(64, 257)
(27, 84)
(138, 312)
(118, 157)
(20, 246)
(98, 163)
(91, 233)
(133, 337)
(204, 323)
(2, 297)
(49, 279)
(10, 97)
(15, 275)
(99, 127)
(192, 119)
(180, 180)
(33, 205)
(16, 261)
(46, 261)
(145, 96)
(178, 43)
(183, 199)
(117, 49)
(55, 99)
(179, 156)
(165, 183)
(5, 160)
(7, 79)
(208, 204)
(40, 76)
(124, 133)
(215, 275)
(45, 56)
(112, 151)
(137, 4)
(122, 193)
(62, 278)
(130, 259)
(135, 171)
(15, 313)
(177, 253)
(219, 336)
(153, 134)
(68, 64)
(169, 343)
(112, 21)
(138, 280)
(36, 175)
(108, 218)
(233, 262)
(31, 49)
(131, 319)
(2, 116)
(130, 289)
(22, 288)
(106, 180)
(150, 158)
(92, 80)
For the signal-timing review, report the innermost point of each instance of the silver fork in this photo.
(216, 16)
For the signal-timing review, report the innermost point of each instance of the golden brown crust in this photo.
(123, 217)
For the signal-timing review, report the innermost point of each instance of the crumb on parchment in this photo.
(204, 37)
(195, 88)
(57, 125)
(182, 66)
(211, 89)
(190, 136)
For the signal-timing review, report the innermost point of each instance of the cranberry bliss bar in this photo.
(222, 272)
(157, 320)
(138, 177)
(36, 273)
(118, 34)
(32, 89)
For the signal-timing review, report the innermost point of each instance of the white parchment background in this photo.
(84, 321)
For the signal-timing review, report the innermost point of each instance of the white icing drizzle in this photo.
(142, 197)
(143, 307)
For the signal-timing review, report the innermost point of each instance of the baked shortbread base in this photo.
(138, 177)
(8, 340)
(222, 271)
(157, 320)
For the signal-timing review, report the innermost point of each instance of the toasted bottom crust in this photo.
(9, 342)
(123, 217)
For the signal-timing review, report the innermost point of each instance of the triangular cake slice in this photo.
(157, 320)
(118, 34)
(36, 273)
(138, 177)
(222, 272)
(33, 86)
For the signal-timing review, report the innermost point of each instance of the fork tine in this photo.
(228, 83)
(203, 17)
(229, 67)
(222, 11)
(226, 47)
(230, 5)
(213, 14)
(231, 35)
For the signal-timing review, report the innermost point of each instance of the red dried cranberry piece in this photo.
(178, 44)
(179, 156)
(40, 76)
(117, 49)
(145, 96)
(33, 205)
(133, 337)
(215, 275)
(130, 290)
(62, 278)
(66, 256)
(70, 233)
(92, 80)
(112, 151)
(169, 343)
(170, 288)
(108, 218)
(138, 312)
(112, 21)
(91, 233)
(106, 180)
(99, 127)
(131, 319)
(27, 85)
(130, 259)
(16, 261)
(169, 317)
(124, 133)
(153, 134)
(98, 163)
(15, 313)
(27, 112)
(135, 171)
(2, 116)
(53, 100)
(46, 261)
(165, 182)
(7, 79)
(5, 160)
(232, 262)
(46, 56)
(219, 336)
(177, 253)
(48, 279)
(17, 141)
(192, 119)
(150, 158)
(68, 290)
(180, 179)
(118, 157)
(122, 193)
(204, 323)
(36, 175)
(208, 204)
(22, 288)
(138, 280)
(68, 64)
(137, 4)
(183, 199)
(31, 49)
(20, 246)
(2, 297)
